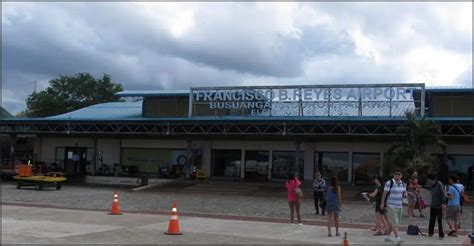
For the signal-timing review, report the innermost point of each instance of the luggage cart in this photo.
(39, 181)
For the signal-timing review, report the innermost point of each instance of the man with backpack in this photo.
(454, 204)
(438, 199)
(393, 193)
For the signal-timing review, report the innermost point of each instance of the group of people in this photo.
(389, 203)
(388, 196)
(326, 197)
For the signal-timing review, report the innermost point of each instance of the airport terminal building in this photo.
(247, 132)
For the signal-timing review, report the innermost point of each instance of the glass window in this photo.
(161, 162)
(456, 164)
(256, 164)
(226, 163)
(284, 164)
(459, 165)
(60, 156)
(365, 166)
(333, 164)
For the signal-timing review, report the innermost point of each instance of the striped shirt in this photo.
(395, 196)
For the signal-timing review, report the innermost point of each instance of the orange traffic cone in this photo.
(345, 242)
(115, 206)
(173, 227)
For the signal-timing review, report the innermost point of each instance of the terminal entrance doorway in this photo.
(75, 161)
(333, 164)
(256, 165)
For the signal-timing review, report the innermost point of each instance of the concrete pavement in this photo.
(27, 225)
(195, 200)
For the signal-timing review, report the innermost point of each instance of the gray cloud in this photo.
(225, 43)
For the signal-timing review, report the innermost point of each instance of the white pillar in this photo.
(206, 157)
(308, 161)
(187, 166)
(297, 158)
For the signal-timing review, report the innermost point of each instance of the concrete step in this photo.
(265, 189)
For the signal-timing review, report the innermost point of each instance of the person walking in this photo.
(461, 188)
(333, 205)
(319, 185)
(438, 198)
(393, 193)
(381, 218)
(291, 184)
(454, 204)
(414, 197)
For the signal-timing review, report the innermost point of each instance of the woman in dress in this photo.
(381, 219)
(293, 200)
(333, 205)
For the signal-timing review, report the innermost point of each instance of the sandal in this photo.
(379, 233)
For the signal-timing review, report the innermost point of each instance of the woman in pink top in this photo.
(291, 184)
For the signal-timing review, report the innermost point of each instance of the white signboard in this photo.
(378, 100)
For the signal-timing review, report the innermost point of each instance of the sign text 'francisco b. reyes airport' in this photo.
(309, 101)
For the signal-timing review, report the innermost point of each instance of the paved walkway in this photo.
(224, 202)
(23, 225)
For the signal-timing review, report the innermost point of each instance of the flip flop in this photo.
(379, 233)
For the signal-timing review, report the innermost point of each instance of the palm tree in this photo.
(409, 153)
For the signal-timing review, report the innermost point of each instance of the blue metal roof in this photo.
(105, 111)
(153, 93)
(449, 90)
(96, 118)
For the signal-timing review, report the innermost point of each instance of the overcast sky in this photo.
(179, 45)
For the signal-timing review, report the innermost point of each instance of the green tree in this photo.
(409, 153)
(69, 93)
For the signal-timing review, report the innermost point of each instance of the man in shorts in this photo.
(454, 205)
(393, 193)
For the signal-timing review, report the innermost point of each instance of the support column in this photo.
(308, 161)
(350, 174)
(12, 150)
(206, 157)
(381, 164)
(40, 156)
(270, 163)
(297, 157)
(242, 165)
(189, 153)
(94, 160)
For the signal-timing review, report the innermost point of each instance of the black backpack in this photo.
(388, 193)
(414, 230)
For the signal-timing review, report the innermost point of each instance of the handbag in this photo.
(299, 193)
(405, 201)
(465, 198)
(416, 205)
(423, 203)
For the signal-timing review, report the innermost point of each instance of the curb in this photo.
(217, 216)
